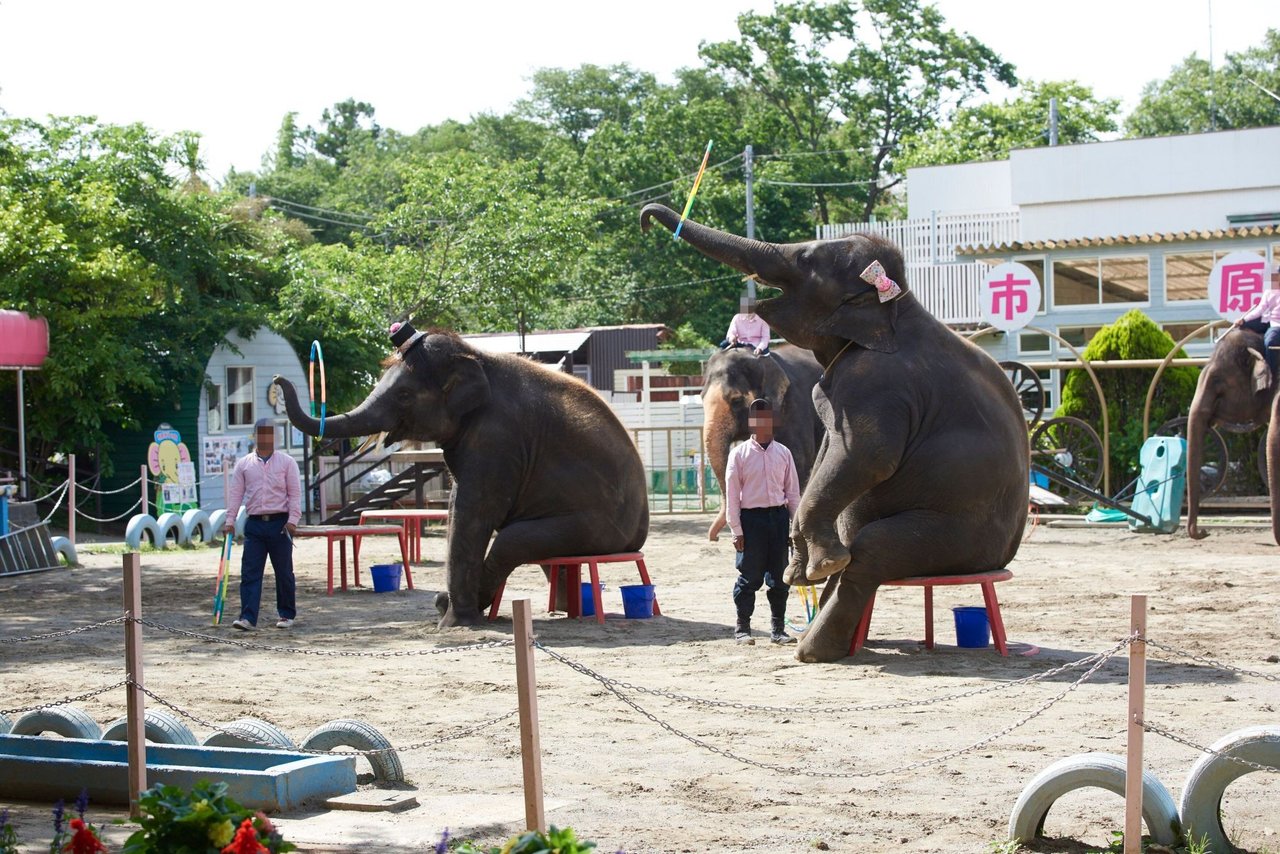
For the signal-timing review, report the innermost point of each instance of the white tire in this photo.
(5, 725)
(66, 549)
(1201, 807)
(140, 526)
(195, 524)
(241, 518)
(252, 733)
(171, 528)
(358, 735)
(66, 721)
(1092, 770)
(158, 728)
(217, 519)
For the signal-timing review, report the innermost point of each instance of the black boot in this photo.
(742, 633)
(779, 634)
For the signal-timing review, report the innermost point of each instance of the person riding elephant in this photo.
(733, 378)
(924, 466)
(535, 456)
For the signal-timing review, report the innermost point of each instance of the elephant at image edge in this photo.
(736, 377)
(535, 455)
(1236, 392)
(924, 466)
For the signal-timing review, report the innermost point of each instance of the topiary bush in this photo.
(1132, 336)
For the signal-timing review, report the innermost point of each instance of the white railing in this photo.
(933, 240)
(948, 291)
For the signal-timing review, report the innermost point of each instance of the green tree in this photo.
(342, 128)
(1132, 336)
(1194, 100)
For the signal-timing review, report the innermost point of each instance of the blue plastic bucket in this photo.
(972, 629)
(637, 601)
(386, 577)
(588, 601)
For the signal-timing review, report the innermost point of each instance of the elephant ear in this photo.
(864, 320)
(467, 387)
(775, 384)
(1260, 373)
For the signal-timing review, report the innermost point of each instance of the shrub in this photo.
(204, 821)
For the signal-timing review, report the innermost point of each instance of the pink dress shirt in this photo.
(1267, 308)
(759, 477)
(748, 329)
(266, 487)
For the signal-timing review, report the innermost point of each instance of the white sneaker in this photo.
(284, 623)
(242, 625)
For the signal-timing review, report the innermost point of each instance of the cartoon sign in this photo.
(166, 453)
(1010, 296)
(1236, 283)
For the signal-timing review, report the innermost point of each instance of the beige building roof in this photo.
(1126, 240)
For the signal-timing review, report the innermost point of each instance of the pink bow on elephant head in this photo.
(874, 274)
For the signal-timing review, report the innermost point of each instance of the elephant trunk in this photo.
(360, 421)
(753, 257)
(719, 426)
(1197, 425)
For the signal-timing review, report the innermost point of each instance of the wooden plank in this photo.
(530, 741)
(136, 709)
(1137, 698)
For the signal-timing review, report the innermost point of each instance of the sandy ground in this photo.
(627, 782)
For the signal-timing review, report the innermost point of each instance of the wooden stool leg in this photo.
(993, 616)
(342, 555)
(864, 625)
(553, 576)
(404, 555)
(355, 556)
(573, 589)
(497, 600)
(928, 616)
(595, 591)
(329, 540)
(644, 579)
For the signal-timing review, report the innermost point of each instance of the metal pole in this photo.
(671, 487)
(1053, 121)
(71, 498)
(145, 503)
(136, 726)
(749, 169)
(527, 692)
(1137, 696)
(22, 440)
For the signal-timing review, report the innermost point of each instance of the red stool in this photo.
(986, 579)
(573, 569)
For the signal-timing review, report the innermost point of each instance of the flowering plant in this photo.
(554, 841)
(76, 837)
(204, 821)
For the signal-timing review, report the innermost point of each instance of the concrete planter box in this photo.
(45, 769)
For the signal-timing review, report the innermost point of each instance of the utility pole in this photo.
(1053, 121)
(751, 212)
(1213, 118)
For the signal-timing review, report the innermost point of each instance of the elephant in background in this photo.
(924, 466)
(535, 455)
(1235, 392)
(735, 377)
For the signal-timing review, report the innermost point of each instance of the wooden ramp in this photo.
(27, 550)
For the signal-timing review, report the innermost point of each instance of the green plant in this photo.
(203, 821)
(1004, 846)
(554, 841)
(8, 836)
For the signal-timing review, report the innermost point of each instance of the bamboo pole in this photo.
(136, 726)
(145, 503)
(71, 498)
(527, 691)
(1137, 697)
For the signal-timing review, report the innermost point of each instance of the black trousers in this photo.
(766, 535)
(263, 540)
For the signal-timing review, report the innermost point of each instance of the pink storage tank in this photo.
(24, 341)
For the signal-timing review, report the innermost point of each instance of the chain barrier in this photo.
(128, 512)
(64, 633)
(1159, 730)
(61, 497)
(63, 702)
(463, 733)
(1270, 677)
(439, 650)
(793, 770)
(124, 488)
(59, 488)
(821, 710)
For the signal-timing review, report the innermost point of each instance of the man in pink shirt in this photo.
(747, 329)
(269, 486)
(1264, 317)
(762, 493)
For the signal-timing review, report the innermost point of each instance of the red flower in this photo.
(246, 841)
(83, 839)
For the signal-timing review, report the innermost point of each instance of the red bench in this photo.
(987, 580)
(340, 533)
(573, 569)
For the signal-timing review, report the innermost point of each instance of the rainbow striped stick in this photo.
(317, 351)
(224, 572)
(706, 155)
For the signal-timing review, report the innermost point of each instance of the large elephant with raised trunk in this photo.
(535, 455)
(735, 377)
(924, 466)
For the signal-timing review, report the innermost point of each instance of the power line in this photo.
(819, 183)
(320, 210)
(692, 174)
(317, 217)
(787, 154)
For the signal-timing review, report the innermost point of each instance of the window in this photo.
(1178, 331)
(1078, 336)
(240, 397)
(1032, 342)
(214, 410)
(1097, 281)
(1186, 274)
(1046, 380)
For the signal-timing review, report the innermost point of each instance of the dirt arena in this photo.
(631, 784)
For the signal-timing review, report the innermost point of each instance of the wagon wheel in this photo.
(1213, 464)
(1262, 463)
(1030, 390)
(1069, 447)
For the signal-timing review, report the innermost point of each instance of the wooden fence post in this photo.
(527, 691)
(136, 710)
(145, 503)
(71, 498)
(1137, 697)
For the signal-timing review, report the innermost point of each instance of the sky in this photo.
(230, 70)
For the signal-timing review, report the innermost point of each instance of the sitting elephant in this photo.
(924, 466)
(734, 378)
(1234, 392)
(535, 455)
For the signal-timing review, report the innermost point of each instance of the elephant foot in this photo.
(827, 559)
(818, 646)
(451, 617)
(1195, 532)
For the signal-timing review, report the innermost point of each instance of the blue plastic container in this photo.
(972, 629)
(588, 602)
(386, 577)
(637, 601)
